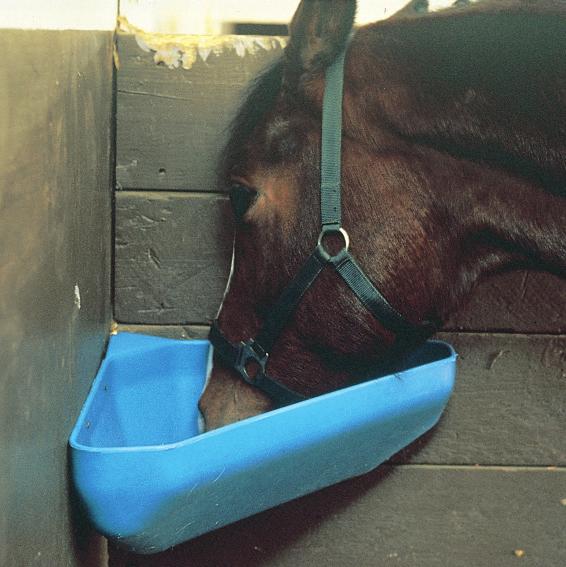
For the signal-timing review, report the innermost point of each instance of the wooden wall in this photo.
(55, 259)
(487, 487)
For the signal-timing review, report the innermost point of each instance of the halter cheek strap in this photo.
(244, 355)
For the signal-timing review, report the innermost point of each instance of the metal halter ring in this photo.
(331, 230)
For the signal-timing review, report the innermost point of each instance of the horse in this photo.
(453, 168)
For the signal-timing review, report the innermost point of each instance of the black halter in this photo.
(255, 352)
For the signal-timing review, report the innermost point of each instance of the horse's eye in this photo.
(241, 198)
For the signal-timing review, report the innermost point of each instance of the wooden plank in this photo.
(410, 516)
(508, 406)
(55, 229)
(172, 256)
(526, 302)
(167, 331)
(171, 123)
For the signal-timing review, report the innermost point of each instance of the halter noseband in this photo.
(255, 352)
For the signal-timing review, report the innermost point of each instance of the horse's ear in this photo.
(318, 31)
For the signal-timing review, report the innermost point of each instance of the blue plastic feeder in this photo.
(150, 481)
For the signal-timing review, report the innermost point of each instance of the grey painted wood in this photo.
(508, 405)
(409, 516)
(172, 256)
(168, 331)
(55, 234)
(172, 122)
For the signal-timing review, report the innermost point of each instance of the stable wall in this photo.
(488, 484)
(56, 105)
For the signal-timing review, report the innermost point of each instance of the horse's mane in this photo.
(260, 97)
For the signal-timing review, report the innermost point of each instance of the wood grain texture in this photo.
(172, 123)
(172, 256)
(409, 516)
(55, 253)
(167, 331)
(508, 405)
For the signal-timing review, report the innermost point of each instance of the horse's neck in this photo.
(486, 95)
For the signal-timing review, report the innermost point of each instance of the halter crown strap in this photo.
(331, 145)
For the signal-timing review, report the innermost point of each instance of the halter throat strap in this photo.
(249, 358)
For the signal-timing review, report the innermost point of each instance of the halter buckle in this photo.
(251, 351)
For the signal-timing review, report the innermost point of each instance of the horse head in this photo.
(445, 178)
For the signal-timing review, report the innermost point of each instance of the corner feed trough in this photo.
(149, 480)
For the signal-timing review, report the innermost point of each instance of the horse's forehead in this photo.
(281, 138)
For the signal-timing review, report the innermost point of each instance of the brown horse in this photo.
(453, 167)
